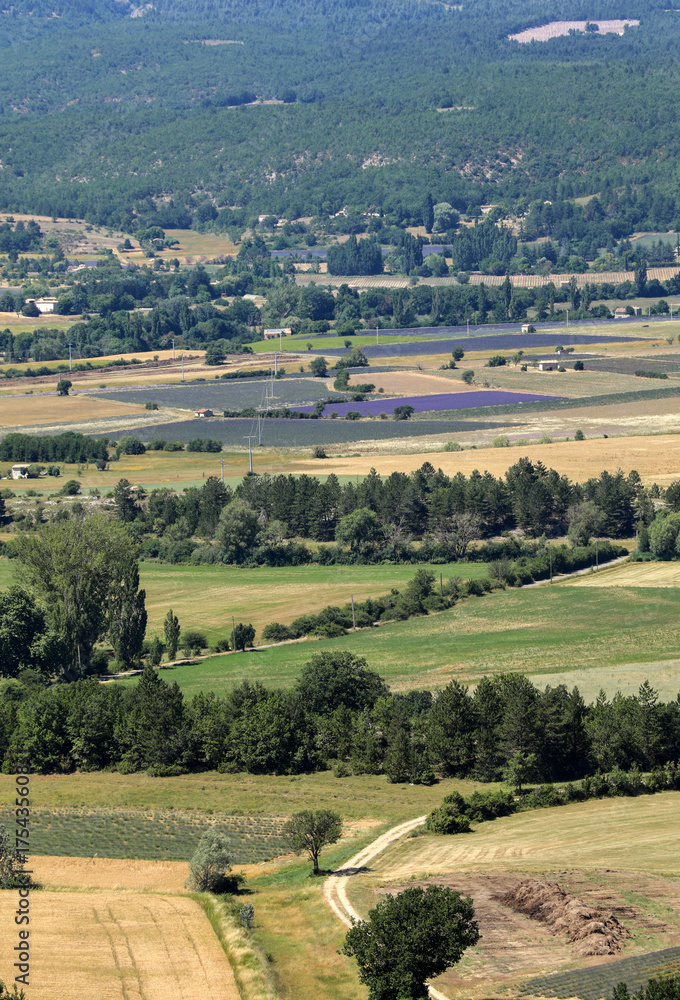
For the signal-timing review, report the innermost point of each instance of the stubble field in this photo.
(140, 947)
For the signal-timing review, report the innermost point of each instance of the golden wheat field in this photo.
(119, 946)
(647, 574)
(19, 411)
(655, 457)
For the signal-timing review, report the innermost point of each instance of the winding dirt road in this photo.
(335, 886)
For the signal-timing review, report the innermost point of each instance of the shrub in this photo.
(467, 376)
(276, 632)
(497, 361)
(449, 817)
(165, 771)
(71, 488)
(193, 639)
(210, 866)
(150, 406)
(11, 867)
(246, 915)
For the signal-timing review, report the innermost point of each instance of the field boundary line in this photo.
(578, 572)
(335, 886)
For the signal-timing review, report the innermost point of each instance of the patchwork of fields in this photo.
(579, 635)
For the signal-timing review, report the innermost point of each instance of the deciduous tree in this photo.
(409, 938)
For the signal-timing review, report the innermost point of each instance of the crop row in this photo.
(286, 433)
(488, 342)
(598, 982)
(167, 835)
(431, 404)
(231, 395)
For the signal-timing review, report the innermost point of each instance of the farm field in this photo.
(635, 838)
(587, 634)
(364, 799)
(449, 401)
(645, 574)
(53, 409)
(205, 597)
(656, 457)
(233, 394)
(296, 433)
(167, 835)
(127, 944)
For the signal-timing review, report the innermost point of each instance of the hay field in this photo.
(409, 383)
(644, 574)
(637, 834)
(119, 946)
(616, 855)
(22, 411)
(656, 457)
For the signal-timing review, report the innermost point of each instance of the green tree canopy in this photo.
(85, 572)
(409, 938)
(311, 830)
(337, 678)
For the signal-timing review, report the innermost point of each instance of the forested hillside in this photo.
(376, 103)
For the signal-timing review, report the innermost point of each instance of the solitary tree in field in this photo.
(171, 629)
(319, 367)
(63, 386)
(310, 831)
(409, 938)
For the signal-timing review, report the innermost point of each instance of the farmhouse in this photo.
(203, 413)
(279, 331)
(546, 366)
(20, 471)
(621, 313)
(45, 305)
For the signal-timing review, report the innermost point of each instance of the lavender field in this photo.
(428, 404)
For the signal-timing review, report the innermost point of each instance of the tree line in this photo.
(340, 714)
(380, 518)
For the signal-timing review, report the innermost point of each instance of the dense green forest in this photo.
(98, 124)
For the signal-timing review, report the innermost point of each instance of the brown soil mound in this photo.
(593, 931)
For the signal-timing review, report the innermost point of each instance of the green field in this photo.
(361, 798)
(596, 637)
(206, 597)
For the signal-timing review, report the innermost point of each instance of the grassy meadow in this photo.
(206, 597)
(596, 637)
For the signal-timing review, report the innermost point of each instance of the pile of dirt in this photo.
(593, 931)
